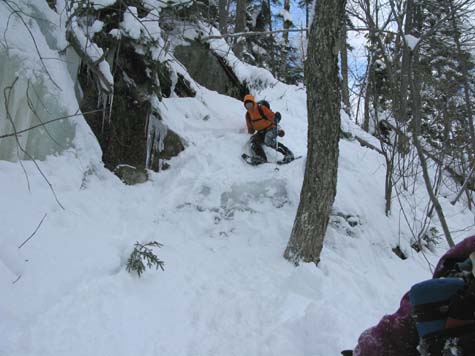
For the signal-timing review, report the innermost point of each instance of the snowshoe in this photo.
(253, 160)
(288, 159)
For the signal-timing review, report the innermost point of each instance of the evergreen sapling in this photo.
(143, 256)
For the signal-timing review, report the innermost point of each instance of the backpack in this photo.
(444, 313)
(267, 105)
(264, 102)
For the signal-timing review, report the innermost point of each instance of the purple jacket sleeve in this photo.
(396, 334)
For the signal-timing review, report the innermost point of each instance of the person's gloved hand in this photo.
(281, 133)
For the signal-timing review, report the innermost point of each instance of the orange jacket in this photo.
(255, 121)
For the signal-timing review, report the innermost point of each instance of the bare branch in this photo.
(33, 233)
(91, 64)
(464, 186)
(18, 13)
(16, 280)
(254, 33)
(19, 146)
(33, 110)
(48, 122)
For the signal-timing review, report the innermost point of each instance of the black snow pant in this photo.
(268, 138)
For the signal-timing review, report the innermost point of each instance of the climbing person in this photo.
(262, 124)
(435, 318)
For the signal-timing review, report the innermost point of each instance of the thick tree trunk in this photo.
(323, 104)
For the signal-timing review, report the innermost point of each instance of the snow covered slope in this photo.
(226, 290)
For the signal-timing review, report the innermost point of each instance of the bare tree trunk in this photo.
(272, 41)
(389, 156)
(401, 111)
(287, 24)
(370, 93)
(465, 77)
(345, 91)
(223, 16)
(433, 197)
(323, 104)
(240, 26)
(367, 97)
(416, 111)
(308, 3)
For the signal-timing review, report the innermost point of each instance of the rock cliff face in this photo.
(209, 70)
(131, 130)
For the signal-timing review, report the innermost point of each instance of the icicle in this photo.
(174, 80)
(111, 102)
(157, 131)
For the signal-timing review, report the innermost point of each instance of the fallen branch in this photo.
(362, 141)
(365, 143)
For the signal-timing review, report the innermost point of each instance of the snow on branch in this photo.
(411, 41)
(286, 16)
(92, 55)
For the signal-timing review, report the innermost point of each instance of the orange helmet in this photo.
(247, 98)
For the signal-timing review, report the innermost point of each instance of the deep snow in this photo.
(226, 289)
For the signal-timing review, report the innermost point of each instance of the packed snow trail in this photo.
(226, 289)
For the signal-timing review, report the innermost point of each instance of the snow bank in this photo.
(226, 289)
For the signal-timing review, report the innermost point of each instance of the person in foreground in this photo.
(435, 318)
